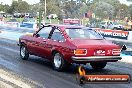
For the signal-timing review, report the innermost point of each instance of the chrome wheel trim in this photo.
(23, 51)
(57, 60)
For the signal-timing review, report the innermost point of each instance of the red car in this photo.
(64, 45)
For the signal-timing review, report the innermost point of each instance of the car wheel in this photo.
(59, 63)
(114, 28)
(98, 65)
(103, 27)
(23, 52)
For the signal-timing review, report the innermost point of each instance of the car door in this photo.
(39, 41)
(42, 42)
(56, 41)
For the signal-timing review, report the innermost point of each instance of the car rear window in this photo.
(83, 34)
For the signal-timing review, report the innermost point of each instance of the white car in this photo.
(111, 25)
(52, 16)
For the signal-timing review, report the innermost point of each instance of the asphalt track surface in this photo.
(38, 73)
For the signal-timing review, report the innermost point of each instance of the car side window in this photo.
(44, 33)
(57, 36)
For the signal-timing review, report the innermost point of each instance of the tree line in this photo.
(111, 9)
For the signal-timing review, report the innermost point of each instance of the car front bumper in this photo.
(96, 58)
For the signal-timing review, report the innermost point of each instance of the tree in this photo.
(71, 9)
(23, 6)
(103, 9)
(120, 10)
(1, 7)
(77, 8)
(52, 6)
(123, 11)
(14, 7)
(4, 8)
(34, 8)
(83, 8)
(19, 6)
(130, 11)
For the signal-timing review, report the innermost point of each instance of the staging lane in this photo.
(41, 71)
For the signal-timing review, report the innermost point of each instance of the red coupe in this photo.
(65, 44)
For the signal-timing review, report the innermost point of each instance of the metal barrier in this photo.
(12, 24)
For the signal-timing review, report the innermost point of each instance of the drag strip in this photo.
(11, 60)
(40, 71)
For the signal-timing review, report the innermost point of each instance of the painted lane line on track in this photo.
(5, 85)
(9, 65)
(6, 76)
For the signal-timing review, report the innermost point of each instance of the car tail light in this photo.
(80, 52)
(116, 51)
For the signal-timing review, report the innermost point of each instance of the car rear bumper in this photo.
(96, 58)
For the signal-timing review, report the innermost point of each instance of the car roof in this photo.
(62, 26)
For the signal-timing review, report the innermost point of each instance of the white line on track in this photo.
(4, 85)
(6, 76)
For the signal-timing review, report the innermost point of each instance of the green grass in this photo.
(18, 19)
(52, 21)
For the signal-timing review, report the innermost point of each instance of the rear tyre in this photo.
(114, 28)
(59, 63)
(103, 27)
(98, 65)
(23, 52)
